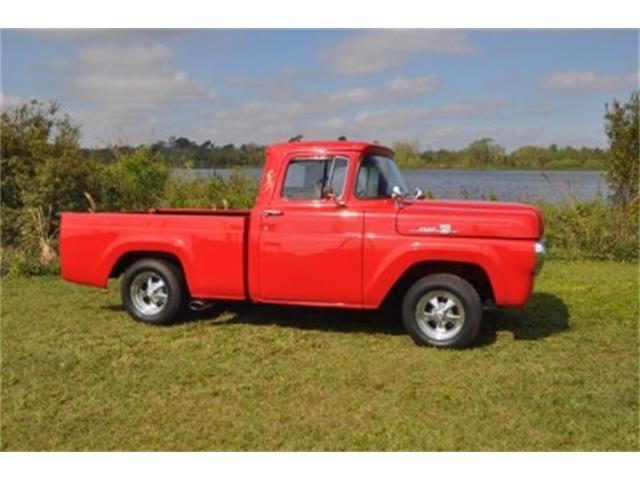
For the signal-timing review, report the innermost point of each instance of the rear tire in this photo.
(153, 291)
(442, 310)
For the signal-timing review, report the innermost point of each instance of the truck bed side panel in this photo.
(210, 248)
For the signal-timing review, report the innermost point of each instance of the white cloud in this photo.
(128, 93)
(470, 108)
(288, 111)
(331, 123)
(397, 88)
(438, 134)
(142, 74)
(111, 35)
(355, 95)
(448, 126)
(413, 86)
(347, 112)
(543, 110)
(389, 118)
(378, 50)
(588, 81)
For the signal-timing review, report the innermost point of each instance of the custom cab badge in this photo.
(269, 182)
(442, 229)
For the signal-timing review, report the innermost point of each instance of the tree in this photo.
(182, 143)
(532, 156)
(42, 165)
(484, 152)
(133, 181)
(407, 154)
(622, 124)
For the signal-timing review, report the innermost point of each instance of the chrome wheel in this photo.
(440, 314)
(149, 293)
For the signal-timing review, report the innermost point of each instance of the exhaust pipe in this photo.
(197, 305)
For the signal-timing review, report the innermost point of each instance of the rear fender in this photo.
(176, 246)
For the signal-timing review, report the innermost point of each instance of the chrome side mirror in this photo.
(418, 194)
(397, 195)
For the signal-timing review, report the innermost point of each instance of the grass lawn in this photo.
(79, 374)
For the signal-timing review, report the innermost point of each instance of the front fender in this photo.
(506, 263)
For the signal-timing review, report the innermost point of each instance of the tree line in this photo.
(182, 152)
(486, 153)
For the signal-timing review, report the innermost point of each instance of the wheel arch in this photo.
(129, 258)
(121, 254)
(472, 272)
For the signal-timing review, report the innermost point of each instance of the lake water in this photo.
(509, 185)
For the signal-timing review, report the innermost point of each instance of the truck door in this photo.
(310, 240)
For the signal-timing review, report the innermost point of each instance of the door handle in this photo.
(272, 213)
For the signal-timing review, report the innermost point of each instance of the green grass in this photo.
(78, 374)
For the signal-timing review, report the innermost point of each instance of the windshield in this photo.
(377, 176)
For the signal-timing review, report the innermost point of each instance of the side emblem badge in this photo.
(442, 229)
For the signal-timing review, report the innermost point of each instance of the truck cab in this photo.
(311, 208)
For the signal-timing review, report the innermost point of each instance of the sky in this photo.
(438, 88)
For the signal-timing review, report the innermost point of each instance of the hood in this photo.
(470, 219)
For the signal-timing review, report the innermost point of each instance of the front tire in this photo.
(442, 310)
(153, 291)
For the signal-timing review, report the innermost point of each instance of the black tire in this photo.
(173, 285)
(467, 306)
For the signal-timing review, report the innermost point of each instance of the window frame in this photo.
(330, 172)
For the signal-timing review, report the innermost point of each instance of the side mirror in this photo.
(418, 194)
(397, 195)
(396, 192)
(330, 194)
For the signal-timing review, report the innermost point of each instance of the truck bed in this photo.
(209, 244)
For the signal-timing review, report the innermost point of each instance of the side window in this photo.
(377, 177)
(309, 179)
(370, 182)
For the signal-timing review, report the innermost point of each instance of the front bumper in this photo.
(540, 251)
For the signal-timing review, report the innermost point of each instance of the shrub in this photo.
(134, 180)
(238, 191)
(594, 229)
(37, 252)
(622, 126)
(43, 173)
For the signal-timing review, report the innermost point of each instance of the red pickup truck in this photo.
(334, 225)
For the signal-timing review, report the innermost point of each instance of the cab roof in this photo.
(319, 145)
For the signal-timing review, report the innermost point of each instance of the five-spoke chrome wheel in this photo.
(149, 293)
(153, 291)
(440, 314)
(442, 310)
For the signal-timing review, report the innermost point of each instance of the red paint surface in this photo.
(314, 252)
